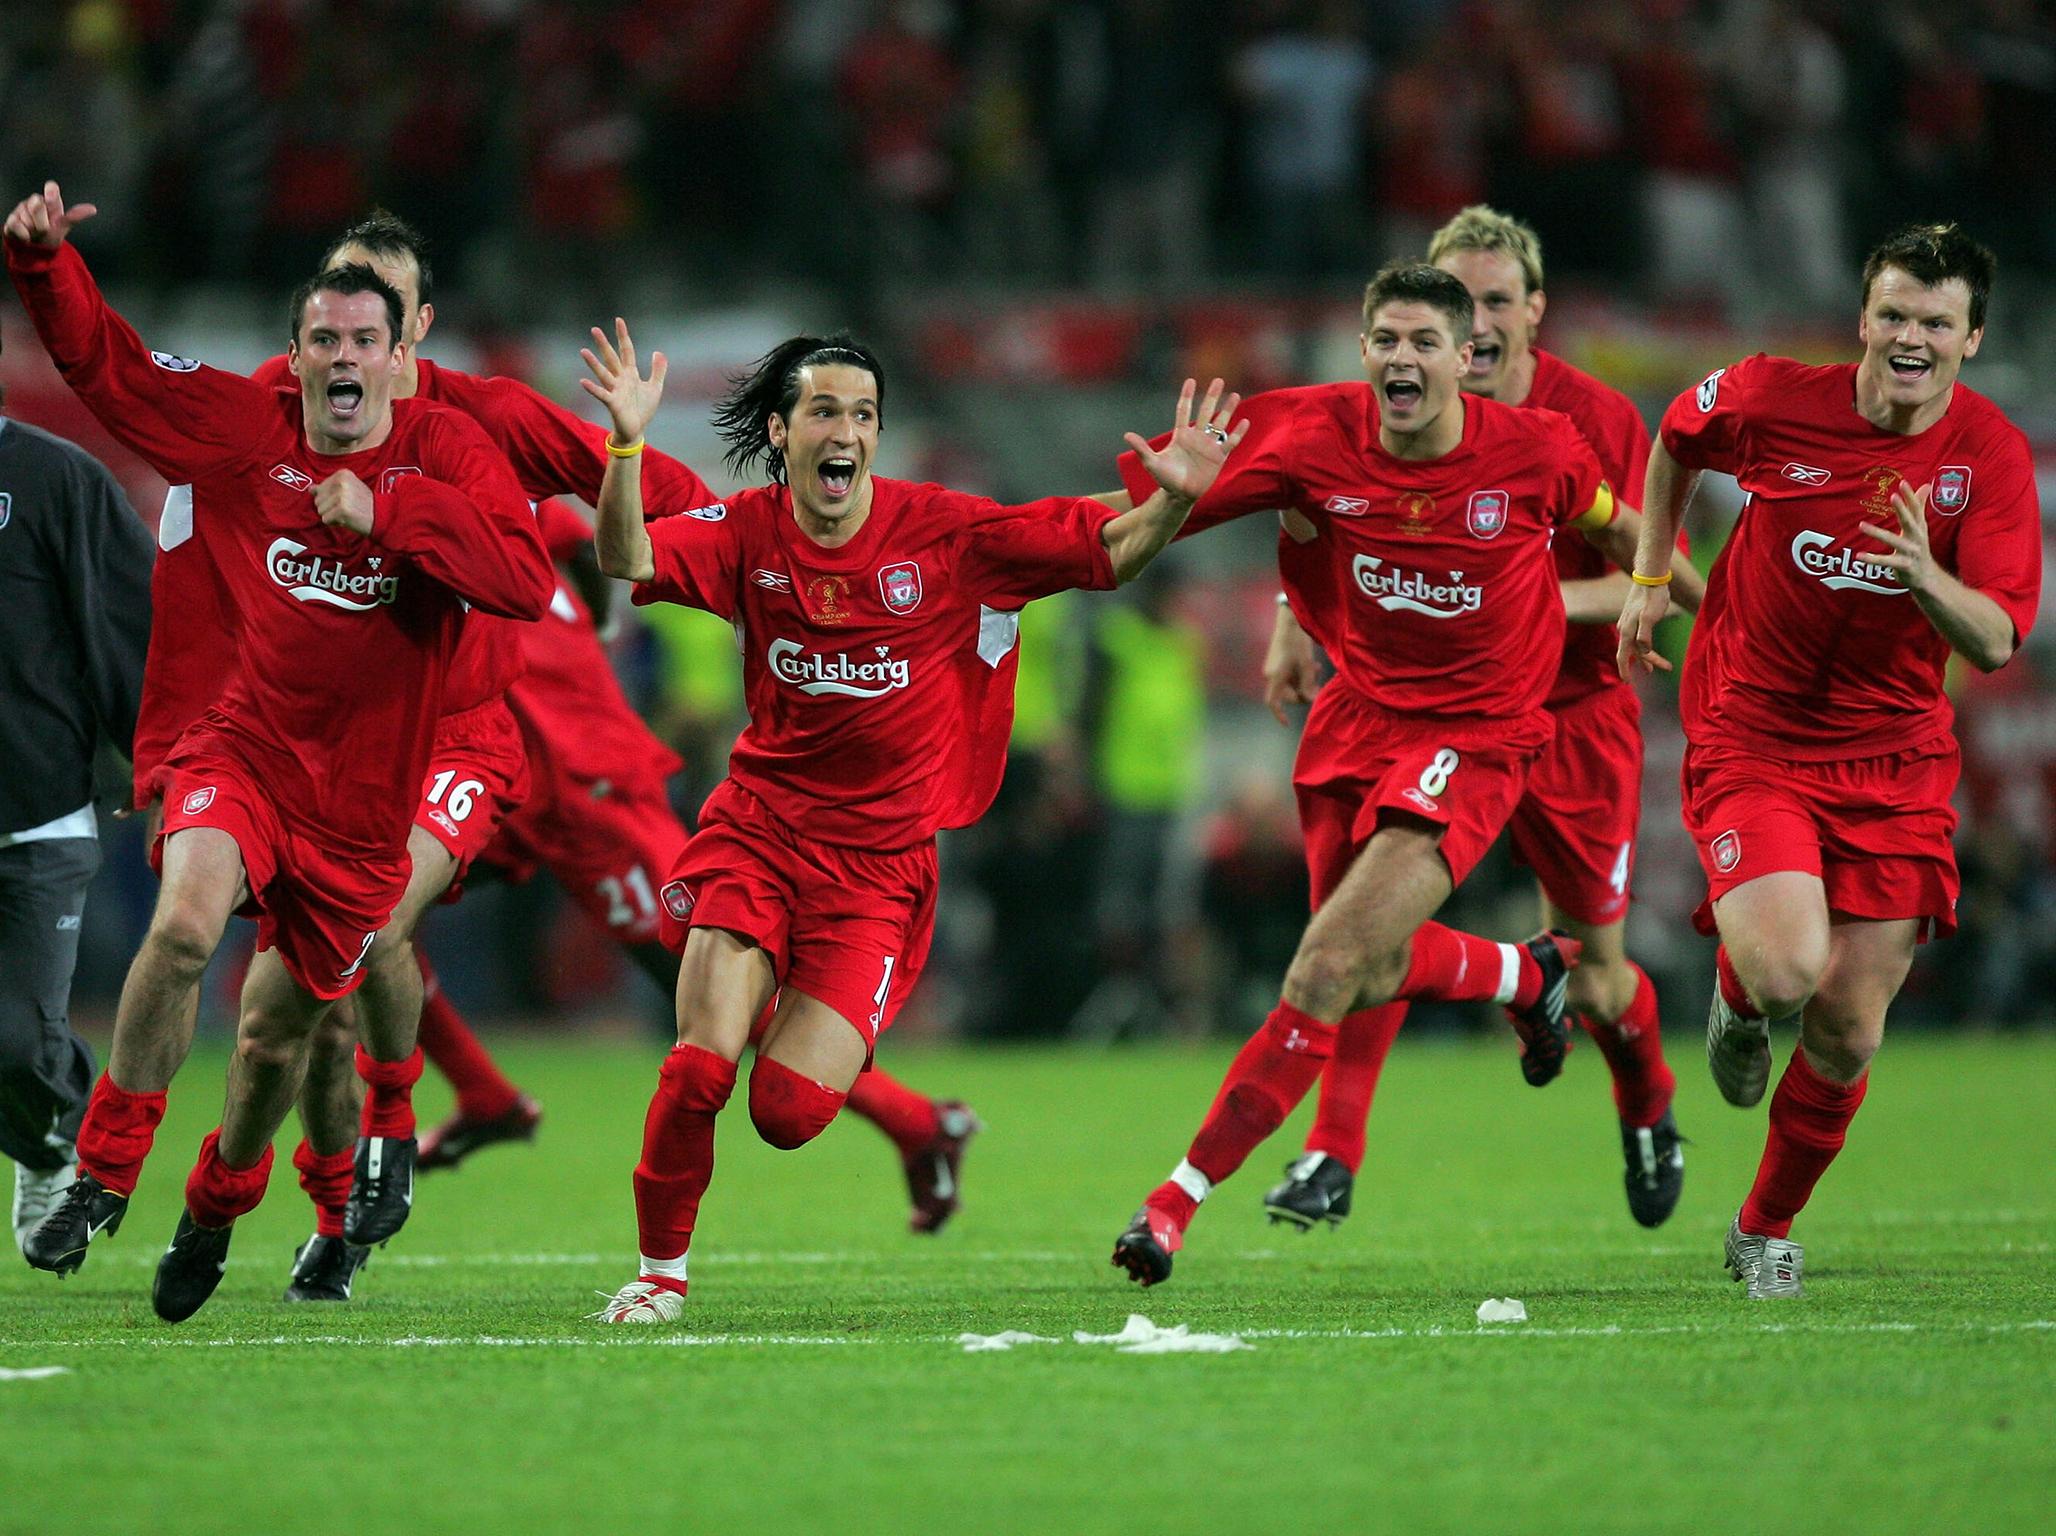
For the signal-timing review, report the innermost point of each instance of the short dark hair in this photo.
(384, 233)
(1931, 254)
(350, 277)
(772, 387)
(1415, 282)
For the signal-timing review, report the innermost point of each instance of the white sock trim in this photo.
(1509, 973)
(1191, 1180)
(670, 1269)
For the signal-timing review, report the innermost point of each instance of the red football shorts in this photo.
(1575, 827)
(477, 774)
(610, 845)
(1878, 831)
(318, 908)
(847, 927)
(1360, 766)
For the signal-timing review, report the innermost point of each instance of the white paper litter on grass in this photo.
(34, 1372)
(1143, 1337)
(1497, 1309)
(980, 1343)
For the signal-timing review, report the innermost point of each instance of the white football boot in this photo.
(640, 1301)
(1738, 1051)
(37, 1193)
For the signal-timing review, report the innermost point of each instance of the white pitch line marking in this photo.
(666, 1340)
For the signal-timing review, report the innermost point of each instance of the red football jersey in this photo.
(1614, 429)
(1441, 568)
(341, 642)
(855, 660)
(1805, 647)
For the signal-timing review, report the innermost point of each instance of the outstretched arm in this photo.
(1183, 469)
(179, 417)
(620, 539)
(1621, 541)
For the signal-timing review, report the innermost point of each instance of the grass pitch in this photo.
(818, 1384)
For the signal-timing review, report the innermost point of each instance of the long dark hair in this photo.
(772, 387)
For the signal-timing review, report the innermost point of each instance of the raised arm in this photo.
(620, 539)
(183, 419)
(1183, 469)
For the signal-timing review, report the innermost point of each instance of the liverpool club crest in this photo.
(900, 586)
(1952, 489)
(1486, 515)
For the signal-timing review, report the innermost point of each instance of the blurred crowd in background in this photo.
(1045, 212)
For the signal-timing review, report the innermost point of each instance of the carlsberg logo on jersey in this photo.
(813, 673)
(1415, 592)
(322, 580)
(1840, 569)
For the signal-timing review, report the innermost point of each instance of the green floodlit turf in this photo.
(816, 1384)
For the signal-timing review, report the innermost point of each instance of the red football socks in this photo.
(909, 1118)
(116, 1135)
(1643, 1084)
(1809, 1121)
(1266, 1081)
(1730, 983)
(326, 1179)
(217, 1194)
(389, 1094)
(788, 1108)
(483, 1091)
(678, 1148)
(1362, 1042)
(1456, 967)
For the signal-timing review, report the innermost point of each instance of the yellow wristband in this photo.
(1650, 581)
(624, 453)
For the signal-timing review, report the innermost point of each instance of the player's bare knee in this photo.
(1322, 980)
(270, 1038)
(1601, 990)
(1842, 1034)
(1783, 980)
(335, 1034)
(183, 936)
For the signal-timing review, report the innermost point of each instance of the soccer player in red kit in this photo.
(812, 876)
(1575, 825)
(597, 813)
(1435, 513)
(1891, 519)
(348, 537)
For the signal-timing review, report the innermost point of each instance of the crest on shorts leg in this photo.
(199, 800)
(1727, 851)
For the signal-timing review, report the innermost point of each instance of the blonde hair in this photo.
(1482, 228)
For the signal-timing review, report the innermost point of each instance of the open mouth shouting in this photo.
(836, 476)
(345, 396)
(1402, 394)
(1485, 357)
(1910, 367)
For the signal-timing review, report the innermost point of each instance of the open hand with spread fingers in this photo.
(1199, 444)
(1907, 550)
(42, 219)
(617, 383)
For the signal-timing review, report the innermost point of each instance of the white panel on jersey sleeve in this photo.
(998, 634)
(175, 525)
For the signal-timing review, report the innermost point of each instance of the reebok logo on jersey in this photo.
(285, 474)
(321, 580)
(1414, 591)
(1348, 506)
(816, 674)
(1420, 798)
(1841, 569)
(772, 581)
(1952, 489)
(1806, 474)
